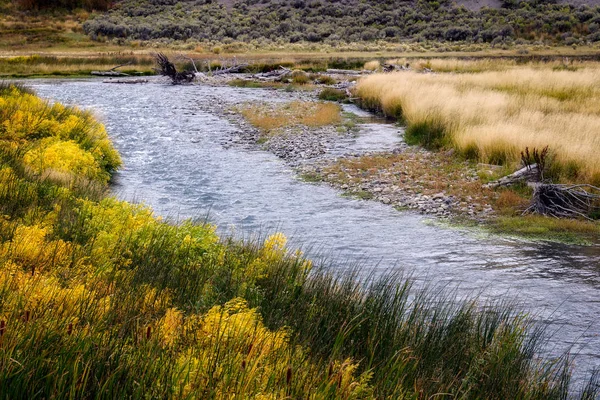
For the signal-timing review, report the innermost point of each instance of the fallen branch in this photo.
(347, 72)
(274, 75)
(526, 174)
(112, 71)
(197, 74)
(230, 70)
(127, 81)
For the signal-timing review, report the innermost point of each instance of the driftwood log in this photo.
(528, 173)
(111, 72)
(564, 201)
(230, 70)
(347, 72)
(127, 81)
(275, 75)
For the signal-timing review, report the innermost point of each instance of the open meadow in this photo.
(492, 111)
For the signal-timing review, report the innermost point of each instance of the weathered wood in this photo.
(230, 70)
(525, 174)
(112, 71)
(347, 72)
(564, 201)
(108, 73)
(273, 75)
(127, 81)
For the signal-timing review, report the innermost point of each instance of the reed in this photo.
(101, 299)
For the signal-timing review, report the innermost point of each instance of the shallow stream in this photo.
(175, 161)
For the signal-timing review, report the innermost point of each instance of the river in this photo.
(175, 161)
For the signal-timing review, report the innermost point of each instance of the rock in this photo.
(386, 200)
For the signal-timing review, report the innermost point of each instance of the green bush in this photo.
(339, 21)
(330, 94)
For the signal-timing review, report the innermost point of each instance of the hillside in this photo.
(348, 21)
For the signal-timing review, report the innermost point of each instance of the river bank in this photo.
(134, 289)
(176, 161)
(440, 184)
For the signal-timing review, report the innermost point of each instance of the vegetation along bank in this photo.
(99, 298)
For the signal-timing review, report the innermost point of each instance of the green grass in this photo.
(311, 177)
(361, 194)
(329, 94)
(547, 228)
(38, 65)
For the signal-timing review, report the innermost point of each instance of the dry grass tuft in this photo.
(270, 118)
(508, 201)
(372, 65)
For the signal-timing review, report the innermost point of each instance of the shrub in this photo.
(300, 77)
(329, 94)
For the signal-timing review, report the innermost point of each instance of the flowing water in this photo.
(175, 161)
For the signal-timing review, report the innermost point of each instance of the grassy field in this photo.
(101, 299)
(493, 115)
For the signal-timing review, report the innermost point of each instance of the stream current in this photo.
(175, 161)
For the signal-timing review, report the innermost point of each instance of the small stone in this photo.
(385, 200)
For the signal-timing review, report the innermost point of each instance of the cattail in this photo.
(340, 381)
(32, 270)
(148, 332)
(330, 372)
(288, 377)
(250, 348)
(2, 327)
(70, 329)
(243, 364)
(26, 316)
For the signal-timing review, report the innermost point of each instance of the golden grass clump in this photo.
(271, 118)
(374, 65)
(493, 116)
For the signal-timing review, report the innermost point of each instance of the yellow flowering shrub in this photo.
(84, 276)
(64, 156)
(274, 250)
(27, 119)
(30, 249)
(234, 341)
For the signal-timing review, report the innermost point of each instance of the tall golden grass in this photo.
(373, 65)
(495, 115)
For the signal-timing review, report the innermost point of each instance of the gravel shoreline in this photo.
(314, 152)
